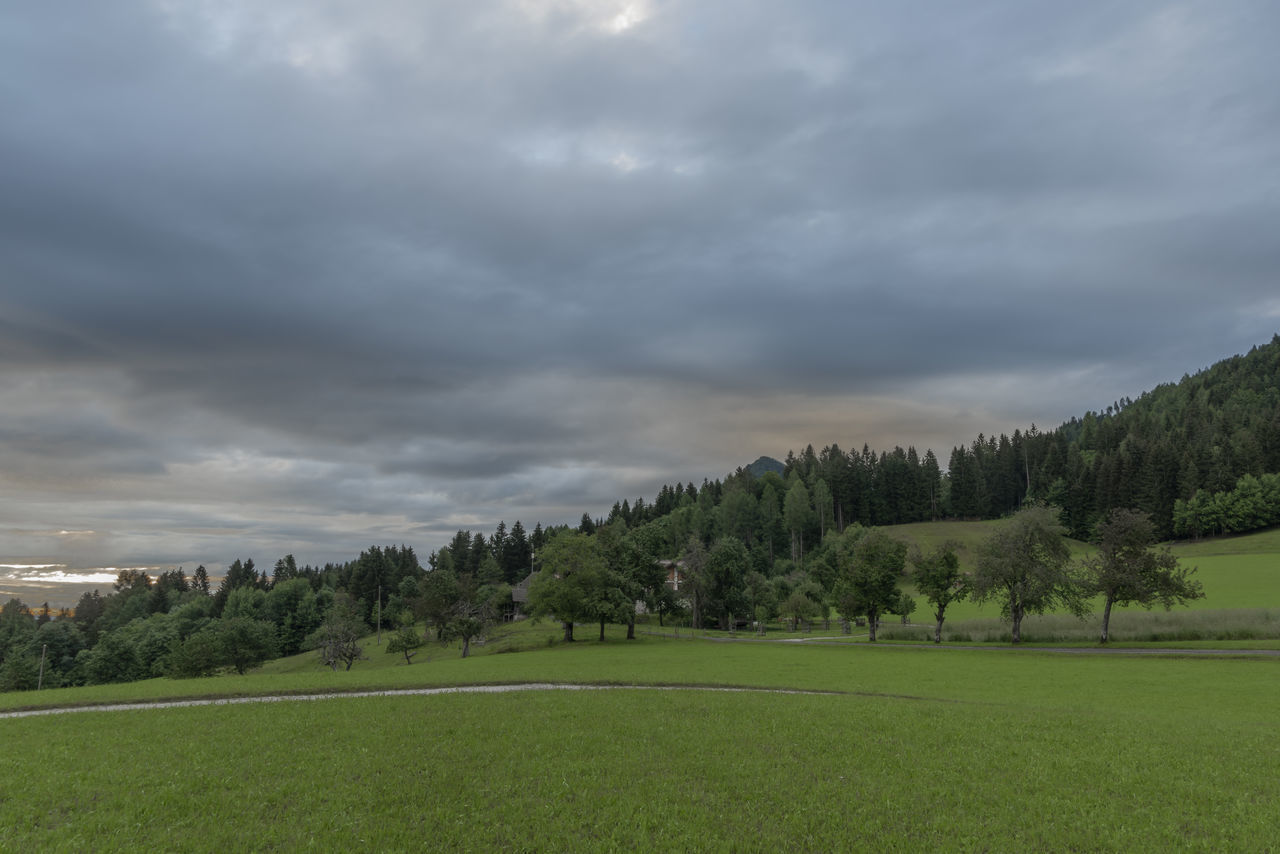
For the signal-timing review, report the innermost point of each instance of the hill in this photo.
(766, 464)
(1197, 437)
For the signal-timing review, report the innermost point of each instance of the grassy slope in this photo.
(1237, 572)
(954, 749)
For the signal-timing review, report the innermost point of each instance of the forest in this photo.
(1199, 457)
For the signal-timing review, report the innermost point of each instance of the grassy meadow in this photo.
(947, 749)
(914, 747)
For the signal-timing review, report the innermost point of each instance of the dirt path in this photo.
(401, 692)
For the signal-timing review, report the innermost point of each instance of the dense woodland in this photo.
(1199, 457)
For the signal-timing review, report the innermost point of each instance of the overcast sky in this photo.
(310, 276)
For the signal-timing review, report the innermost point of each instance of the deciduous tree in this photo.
(246, 643)
(569, 585)
(406, 639)
(939, 580)
(338, 638)
(1025, 565)
(868, 584)
(1128, 570)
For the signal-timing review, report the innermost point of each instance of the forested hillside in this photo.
(1179, 452)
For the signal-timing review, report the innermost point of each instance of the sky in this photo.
(312, 275)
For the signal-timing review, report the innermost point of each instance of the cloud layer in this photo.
(309, 276)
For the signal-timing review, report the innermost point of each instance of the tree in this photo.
(1127, 570)
(338, 638)
(285, 569)
(245, 643)
(631, 557)
(1024, 564)
(238, 575)
(798, 514)
(406, 639)
(695, 562)
(437, 591)
(769, 515)
(467, 613)
(738, 512)
(760, 599)
(200, 654)
(868, 584)
(798, 608)
(570, 585)
(291, 606)
(725, 569)
(905, 607)
(113, 659)
(822, 505)
(463, 628)
(20, 672)
(938, 579)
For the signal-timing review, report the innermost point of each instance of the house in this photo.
(520, 597)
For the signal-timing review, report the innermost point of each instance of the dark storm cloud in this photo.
(314, 271)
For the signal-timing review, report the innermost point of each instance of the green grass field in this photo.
(919, 748)
(1238, 572)
(927, 748)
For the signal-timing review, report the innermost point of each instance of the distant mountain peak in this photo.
(766, 464)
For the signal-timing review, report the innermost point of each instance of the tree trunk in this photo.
(602, 628)
(1016, 615)
(1106, 619)
(937, 632)
(466, 646)
(631, 627)
(568, 631)
(872, 621)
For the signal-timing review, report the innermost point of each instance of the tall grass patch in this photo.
(1127, 626)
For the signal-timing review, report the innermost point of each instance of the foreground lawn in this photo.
(951, 750)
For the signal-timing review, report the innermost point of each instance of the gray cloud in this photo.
(308, 276)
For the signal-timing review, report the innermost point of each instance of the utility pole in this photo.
(40, 682)
(379, 615)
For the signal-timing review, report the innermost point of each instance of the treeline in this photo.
(1024, 565)
(505, 556)
(1186, 442)
(1253, 504)
(178, 625)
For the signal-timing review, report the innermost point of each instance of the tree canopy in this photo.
(1128, 570)
(1025, 565)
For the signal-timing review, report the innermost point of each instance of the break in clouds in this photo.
(304, 277)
